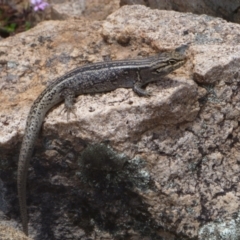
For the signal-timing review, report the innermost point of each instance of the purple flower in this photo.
(39, 4)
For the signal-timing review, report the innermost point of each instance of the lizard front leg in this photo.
(138, 89)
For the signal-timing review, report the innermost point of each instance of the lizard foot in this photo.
(69, 110)
(69, 97)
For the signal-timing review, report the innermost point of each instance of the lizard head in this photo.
(165, 63)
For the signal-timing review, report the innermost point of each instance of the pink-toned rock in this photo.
(228, 10)
(166, 165)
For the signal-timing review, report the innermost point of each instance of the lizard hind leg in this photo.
(69, 99)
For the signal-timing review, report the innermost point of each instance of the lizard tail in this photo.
(23, 163)
(40, 107)
(30, 136)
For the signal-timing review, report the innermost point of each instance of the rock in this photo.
(100, 9)
(90, 9)
(228, 10)
(8, 233)
(72, 8)
(127, 166)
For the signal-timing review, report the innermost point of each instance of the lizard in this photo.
(97, 77)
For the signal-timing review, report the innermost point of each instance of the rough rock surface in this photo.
(164, 167)
(70, 8)
(90, 9)
(9, 233)
(228, 10)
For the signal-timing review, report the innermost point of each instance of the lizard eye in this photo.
(172, 62)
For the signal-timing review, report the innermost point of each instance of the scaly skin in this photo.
(94, 78)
